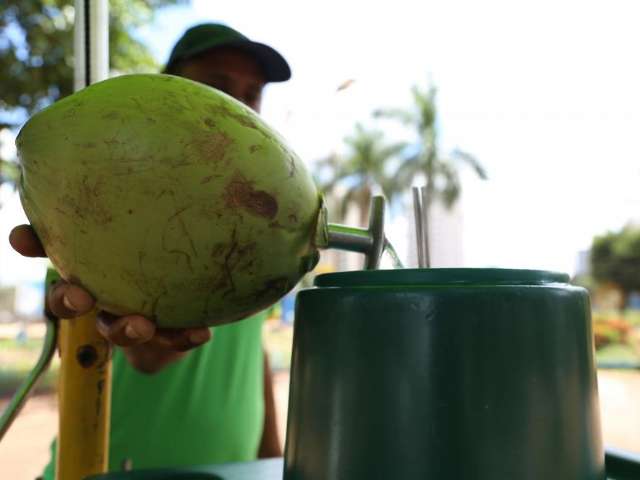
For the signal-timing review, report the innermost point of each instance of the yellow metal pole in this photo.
(85, 356)
(84, 399)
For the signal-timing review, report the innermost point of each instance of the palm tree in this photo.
(363, 169)
(440, 173)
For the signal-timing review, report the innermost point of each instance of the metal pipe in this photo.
(91, 42)
(371, 242)
(351, 239)
(21, 395)
(425, 226)
(417, 213)
(376, 232)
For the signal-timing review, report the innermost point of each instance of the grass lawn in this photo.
(618, 354)
(16, 361)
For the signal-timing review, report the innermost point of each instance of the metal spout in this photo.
(370, 242)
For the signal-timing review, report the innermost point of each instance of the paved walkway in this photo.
(620, 408)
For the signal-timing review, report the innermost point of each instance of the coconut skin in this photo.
(167, 198)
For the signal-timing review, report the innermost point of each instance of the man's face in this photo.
(230, 70)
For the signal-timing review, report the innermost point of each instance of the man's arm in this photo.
(270, 444)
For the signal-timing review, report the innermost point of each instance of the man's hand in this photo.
(147, 347)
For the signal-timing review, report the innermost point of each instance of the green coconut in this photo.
(164, 197)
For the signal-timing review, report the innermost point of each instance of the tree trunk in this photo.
(364, 204)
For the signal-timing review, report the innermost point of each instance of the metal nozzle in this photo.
(370, 242)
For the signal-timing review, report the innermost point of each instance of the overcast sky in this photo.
(546, 94)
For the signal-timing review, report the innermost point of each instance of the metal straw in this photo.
(425, 227)
(417, 211)
(420, 204)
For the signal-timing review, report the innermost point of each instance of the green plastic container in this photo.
(444, 373)
(620, 466)
(439, 374)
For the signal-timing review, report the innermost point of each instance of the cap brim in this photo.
(275, 67)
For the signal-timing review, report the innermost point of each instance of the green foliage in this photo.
(363, 168)
(9, 172)
(584, 281)
(11, 379)
(128, 54)
(632, 317)
(615, 257)
(36, 54)
(371, 162)
(16, 361)
(617, 354)
(36, 49)
(423, 157)
(617, 337)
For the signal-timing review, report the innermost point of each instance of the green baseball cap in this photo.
(206, 36)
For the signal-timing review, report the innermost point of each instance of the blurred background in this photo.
(522, 117)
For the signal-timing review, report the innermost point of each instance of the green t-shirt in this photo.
(206, 408)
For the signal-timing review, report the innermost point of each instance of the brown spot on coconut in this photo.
(240, 193)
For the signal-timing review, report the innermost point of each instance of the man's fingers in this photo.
(125, 331)
(65, 300)
(24, 240)
(69, 301)
(180, 339)
(135, 329)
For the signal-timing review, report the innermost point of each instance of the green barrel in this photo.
(483, 374)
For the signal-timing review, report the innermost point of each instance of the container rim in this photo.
(440, 276)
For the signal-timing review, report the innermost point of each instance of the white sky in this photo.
(546, 94)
